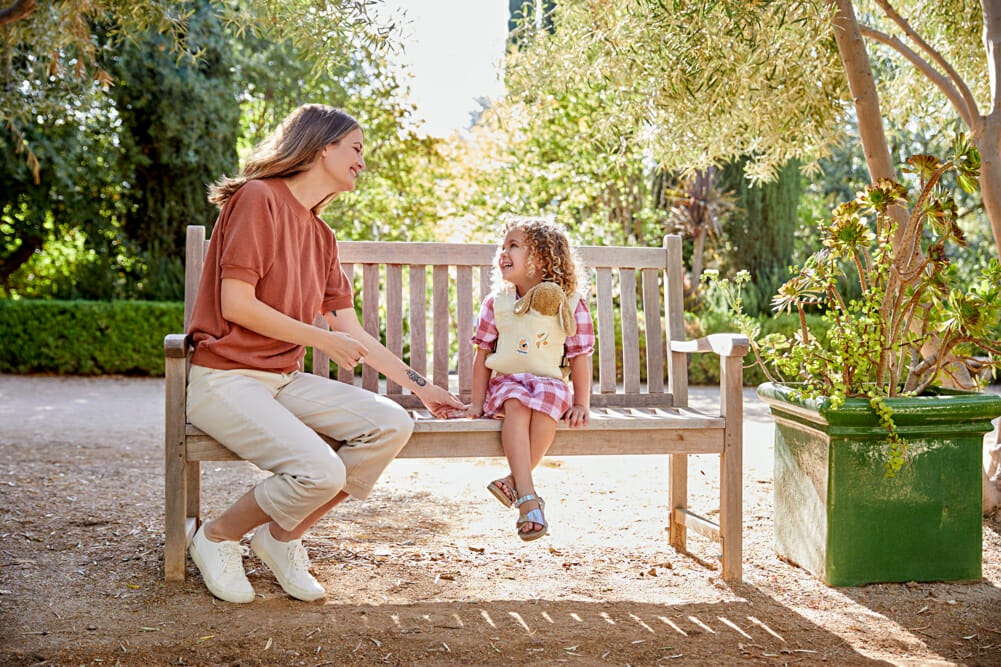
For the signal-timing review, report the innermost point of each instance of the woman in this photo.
(271, 266)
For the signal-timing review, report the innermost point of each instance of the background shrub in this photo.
(86, 337)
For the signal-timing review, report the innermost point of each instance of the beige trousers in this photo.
(272, 420)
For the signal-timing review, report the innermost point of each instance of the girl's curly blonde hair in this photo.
(549, 251)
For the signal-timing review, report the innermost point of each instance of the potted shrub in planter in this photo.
(877, 465)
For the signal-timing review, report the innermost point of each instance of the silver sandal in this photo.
(532, 516)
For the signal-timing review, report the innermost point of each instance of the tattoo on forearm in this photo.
(416, 378)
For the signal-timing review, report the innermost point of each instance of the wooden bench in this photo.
(636, 290)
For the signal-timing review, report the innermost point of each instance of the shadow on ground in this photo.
(277, 631)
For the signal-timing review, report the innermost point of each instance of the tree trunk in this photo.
(30, 244)
(698, 250)
(987, 136)
(17, 11)
(988, 141)
(858, 70)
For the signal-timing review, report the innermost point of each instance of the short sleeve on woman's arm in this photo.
(248, 249)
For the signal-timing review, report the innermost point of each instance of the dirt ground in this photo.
(428, 571)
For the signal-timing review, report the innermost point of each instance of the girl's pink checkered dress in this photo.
(549, 396)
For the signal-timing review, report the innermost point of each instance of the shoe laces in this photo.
(299, 557)
(232, 555)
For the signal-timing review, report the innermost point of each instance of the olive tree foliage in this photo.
(529, 156)
(70, 211)
(50, 50)
(697, 83)
(603, 108)
(126, 111)
(395, 197)
(177, 131)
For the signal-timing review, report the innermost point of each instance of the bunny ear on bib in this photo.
(566, 314)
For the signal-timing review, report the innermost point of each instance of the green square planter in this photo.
(839, 517)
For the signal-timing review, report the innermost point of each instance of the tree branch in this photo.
(953, 75)
(943, 82)
(17, 11)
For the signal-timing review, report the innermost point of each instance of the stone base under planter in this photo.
(838, 515)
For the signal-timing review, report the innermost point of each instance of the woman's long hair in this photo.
(290, 149)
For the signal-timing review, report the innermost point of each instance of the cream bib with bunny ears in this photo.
(528, 342)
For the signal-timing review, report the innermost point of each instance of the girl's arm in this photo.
(241, 306)
(438, 400)
(579, 414)
(481, 376)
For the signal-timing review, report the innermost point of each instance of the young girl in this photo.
(271, 266)
(523, 349)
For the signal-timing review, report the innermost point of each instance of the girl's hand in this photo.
(344, 349)
(577, 416)
(475, 410)
(440, 402)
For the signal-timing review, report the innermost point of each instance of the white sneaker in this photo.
(221, 566)
(289, 562)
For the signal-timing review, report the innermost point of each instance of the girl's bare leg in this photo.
(516, 441)
(541, 433)
(540, 430)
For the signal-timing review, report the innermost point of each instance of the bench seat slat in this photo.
(452, 443)
(633, 432)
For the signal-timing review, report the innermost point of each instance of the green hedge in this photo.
(86, 337)
(126, 337)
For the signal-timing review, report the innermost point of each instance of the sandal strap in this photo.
(532, 516)
(507, 482)
(527, 497)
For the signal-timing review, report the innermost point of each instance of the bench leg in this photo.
(193, 481)
(175, 540)
(730, 514)
(731, 477)
(678, 499)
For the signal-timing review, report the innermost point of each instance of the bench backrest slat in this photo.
(652, 320)
(464, 324)
(395, 300)
(441, 324)
(630, 332)
(605, 337)
(394, 317)
(418, 320)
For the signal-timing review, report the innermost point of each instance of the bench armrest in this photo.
(723, 344)
(175, 345)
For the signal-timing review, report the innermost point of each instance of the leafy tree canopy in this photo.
(49, 56)
(701, 82)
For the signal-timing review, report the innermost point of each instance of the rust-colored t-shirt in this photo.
(264, 236)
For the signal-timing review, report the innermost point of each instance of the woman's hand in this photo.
(440, 402)
(577, 416)
(344, 349)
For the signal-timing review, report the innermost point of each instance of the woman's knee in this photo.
(395, 424)
(325, 476)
